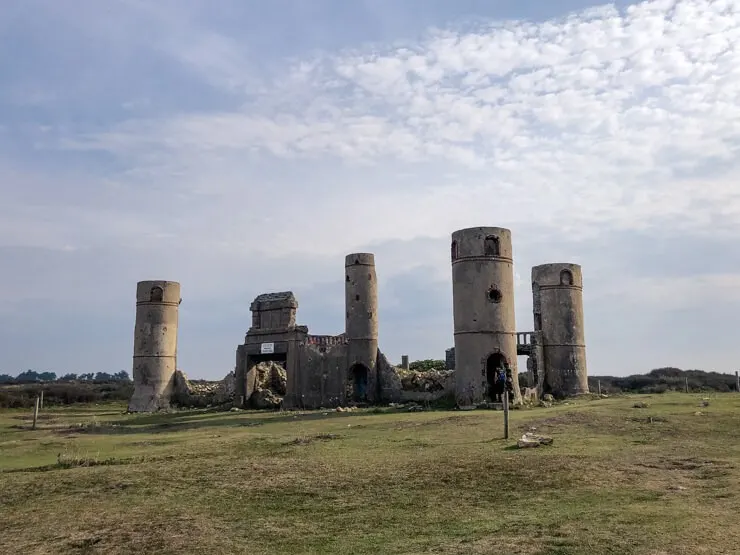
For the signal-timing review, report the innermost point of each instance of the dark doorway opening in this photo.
(358, 375)
(494, 364)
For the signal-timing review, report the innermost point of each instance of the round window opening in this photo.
(494, 295)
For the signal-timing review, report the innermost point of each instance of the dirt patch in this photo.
(39, 417)
(568, 419)
(648, 419)
(462, 421)
(308, 440)
(686, 464)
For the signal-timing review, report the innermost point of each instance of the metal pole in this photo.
(35, 412)
(41, 403)
(506, 415)
(737, 381)
(599, 388)
(687, 384)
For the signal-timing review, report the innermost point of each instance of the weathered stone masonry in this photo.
(483, 298)
(336, 370)
(155, 345)
(323, 370)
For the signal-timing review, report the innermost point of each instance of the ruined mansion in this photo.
(338, 370)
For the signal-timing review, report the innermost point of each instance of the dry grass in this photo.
(616, 480)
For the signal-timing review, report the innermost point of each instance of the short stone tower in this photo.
(483, 310)
(557, 291)
(155, 345)
(361, 302)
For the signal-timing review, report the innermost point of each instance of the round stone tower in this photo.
(361, 301)
(155, 345)
(483, 309)
(557, 291)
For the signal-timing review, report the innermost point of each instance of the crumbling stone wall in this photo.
(390, 380)
(323, 374)
(202, 393)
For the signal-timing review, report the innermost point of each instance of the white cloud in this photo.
(589, 120)
(566, 130)
(678, 292)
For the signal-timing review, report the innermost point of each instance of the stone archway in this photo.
(359, 377)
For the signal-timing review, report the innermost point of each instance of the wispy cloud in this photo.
(595, 118)
(179, 146)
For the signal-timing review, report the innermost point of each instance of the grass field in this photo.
(617, 479)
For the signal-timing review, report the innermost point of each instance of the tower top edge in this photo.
(159, 282)
(359, 258)
(558, 273)
(487, 230)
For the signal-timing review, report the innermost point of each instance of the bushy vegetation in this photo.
(659, 380)
(21, 392)
(662, 380)
(428, 365)
(31, 376)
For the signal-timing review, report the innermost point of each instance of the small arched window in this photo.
(491, 246)
(156, 294)
(494, 295)
(566, 277)
(453, 249)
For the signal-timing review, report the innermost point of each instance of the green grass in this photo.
(655, 481)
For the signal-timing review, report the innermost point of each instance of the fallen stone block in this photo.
(532, 440)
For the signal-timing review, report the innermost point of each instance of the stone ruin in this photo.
(281, 365)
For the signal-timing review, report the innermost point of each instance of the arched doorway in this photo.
(493, 364)
(358, 375)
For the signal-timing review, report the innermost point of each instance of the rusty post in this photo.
(35, 412)
(506, 415)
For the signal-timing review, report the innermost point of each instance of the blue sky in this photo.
(242, 147)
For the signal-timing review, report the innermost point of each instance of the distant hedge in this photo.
(661, 380)
(64, 393)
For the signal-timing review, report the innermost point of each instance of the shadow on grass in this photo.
(176, 422)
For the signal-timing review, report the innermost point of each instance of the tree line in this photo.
(31, 376)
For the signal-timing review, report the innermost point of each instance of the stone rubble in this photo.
(531, 440)
(201, 393)
(271, 385)
(429, 381)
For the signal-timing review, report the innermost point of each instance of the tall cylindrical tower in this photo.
(557, 291)
(361, 301)
(483, 309)
(155, 345)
